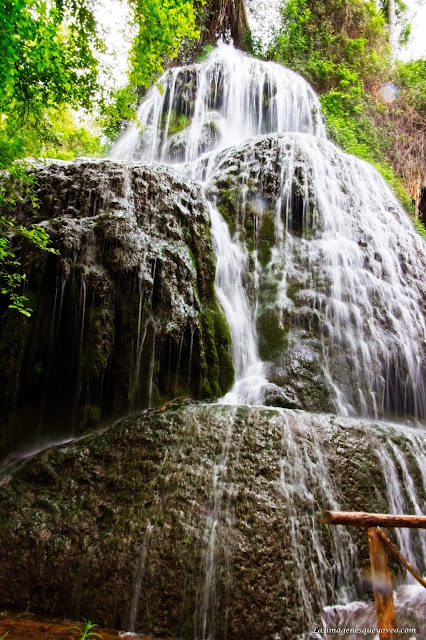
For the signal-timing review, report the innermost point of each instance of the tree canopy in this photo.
(49, 59)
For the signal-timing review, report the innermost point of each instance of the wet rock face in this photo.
(338, 295)
(299, 381)
(204, 520)
(126, 316)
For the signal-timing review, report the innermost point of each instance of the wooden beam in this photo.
(382, 585)
(361, 519)
(401, 558)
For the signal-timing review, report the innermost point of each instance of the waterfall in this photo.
(344, 259)
(231, 258)
(209, 509)
(215, 104)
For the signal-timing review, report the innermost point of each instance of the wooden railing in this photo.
(378, 544)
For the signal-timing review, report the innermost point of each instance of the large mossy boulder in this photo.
(126, 316)
(203, 521)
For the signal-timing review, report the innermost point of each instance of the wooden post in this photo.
(382, 585)
(390, 545)
(377, 543)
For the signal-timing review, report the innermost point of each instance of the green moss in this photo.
(230, 221)
(91, 416)
(227, 204)
(249, 219)
(205, 52)
(212, 360)
(98, 342)
(178, 122)
(266, 237)
(293, 289)
(217, 340)
(272, 335)
(230, 196)
(157, 400)
(213, 127)
(224, 352)
(268, 285)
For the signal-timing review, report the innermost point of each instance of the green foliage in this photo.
(333, 43)
(411, 78)
(400, 19)
(162, 26)
(47, 59)
(87, 632)
(119, 112)
(57, 136)
(16, 184)
(348, 122)
(421, 230)
(396, 184)
(11, 278)
(340, 46)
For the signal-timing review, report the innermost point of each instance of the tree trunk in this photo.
(225, 19)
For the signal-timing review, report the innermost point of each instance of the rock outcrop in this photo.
(203, 521)
(126, 316)
(334, 272)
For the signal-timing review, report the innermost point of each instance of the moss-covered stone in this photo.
(266, 239)
(272, 335)
(220, 368)
(76, 517)
(176, 122)
(116, 323)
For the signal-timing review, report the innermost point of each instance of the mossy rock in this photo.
(220, 368)
(272, 335)
(266, 238)
(178, 122)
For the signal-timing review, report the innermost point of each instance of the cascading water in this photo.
(231, 258)
(215, 104)
(321, 277)
(343, 256)
(343, 264)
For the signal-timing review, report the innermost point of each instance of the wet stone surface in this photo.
(126, 316)
(205, 519)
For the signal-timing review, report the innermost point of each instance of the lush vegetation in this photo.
(342, 48)
(49, 65)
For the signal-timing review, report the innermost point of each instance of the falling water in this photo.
(220, 511)
(218, 103)
(303, 470)
(351, 255)
(139, 575)
(345, 262)
(342, 241)
(231, 258)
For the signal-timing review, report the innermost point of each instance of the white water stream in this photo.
(359, 261)
(350, 252)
